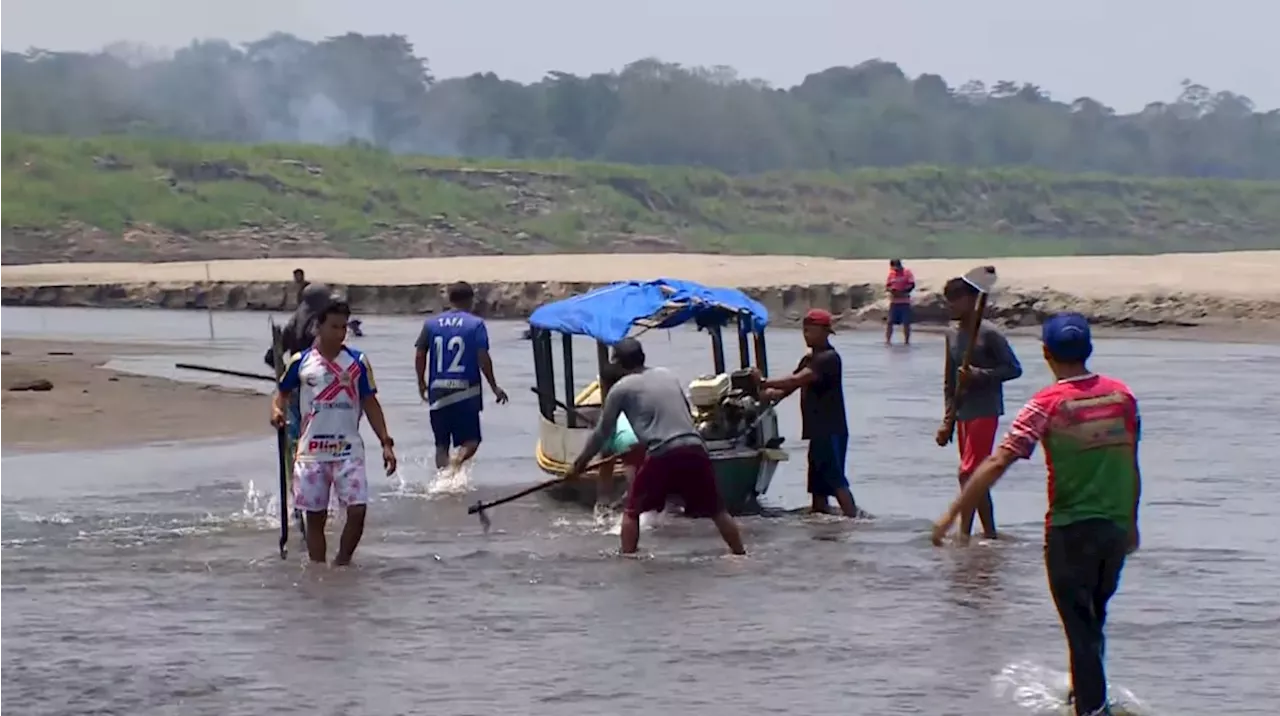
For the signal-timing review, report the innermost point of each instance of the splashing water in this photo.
(1041, 690)
(451, 481)
(446, 481)
(57, 518)
(612, 522)
(257, 503)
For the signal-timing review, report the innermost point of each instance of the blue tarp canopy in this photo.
(608, 313)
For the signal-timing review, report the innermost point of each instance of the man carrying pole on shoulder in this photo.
(973, 394)
(1090, 426)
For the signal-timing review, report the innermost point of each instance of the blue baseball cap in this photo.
(1067, 337)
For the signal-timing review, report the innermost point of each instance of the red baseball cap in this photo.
(819, 317)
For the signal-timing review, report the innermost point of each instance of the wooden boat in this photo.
(740, 431)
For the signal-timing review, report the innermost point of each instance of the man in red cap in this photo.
(820, 379)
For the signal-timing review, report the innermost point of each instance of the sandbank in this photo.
(1168, 290)
(92, 408)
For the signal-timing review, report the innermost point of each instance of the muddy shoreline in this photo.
(89, 407)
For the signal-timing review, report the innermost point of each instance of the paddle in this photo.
(982, 278)
(223, 371)
(479, 507)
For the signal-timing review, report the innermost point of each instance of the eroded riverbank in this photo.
(1225, 290)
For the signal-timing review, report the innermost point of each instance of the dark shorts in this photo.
(683, 471)
(457, 424)
(899, 314)
(1084, 561)
(826, 465)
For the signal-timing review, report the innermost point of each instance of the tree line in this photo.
(376, 90)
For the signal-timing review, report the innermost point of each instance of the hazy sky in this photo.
(1122, 52)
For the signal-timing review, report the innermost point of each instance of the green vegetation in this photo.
(184, 164)
(362, 201)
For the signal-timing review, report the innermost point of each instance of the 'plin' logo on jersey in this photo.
(334, 445)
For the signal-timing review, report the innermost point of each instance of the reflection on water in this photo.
(145, 580)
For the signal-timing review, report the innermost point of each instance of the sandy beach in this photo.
(1241, 274)
(1235, 291)
(90, 407)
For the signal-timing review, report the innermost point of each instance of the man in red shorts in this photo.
(676, 460)
(974, 398)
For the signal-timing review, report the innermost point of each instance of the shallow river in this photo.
(145, 580)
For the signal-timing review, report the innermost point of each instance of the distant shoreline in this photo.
(1212, 293)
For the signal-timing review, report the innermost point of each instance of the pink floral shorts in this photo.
(313, 482)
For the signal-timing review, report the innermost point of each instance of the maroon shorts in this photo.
(683, 471)
(633, 457)
(977, 439)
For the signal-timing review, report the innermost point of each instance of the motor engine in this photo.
(725, 407)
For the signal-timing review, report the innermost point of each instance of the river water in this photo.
(145, 580)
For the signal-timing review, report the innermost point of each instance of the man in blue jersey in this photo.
(456, 344)
(335, 386)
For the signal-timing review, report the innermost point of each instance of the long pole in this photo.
(208, 277)
(282, 444)
(225, 371)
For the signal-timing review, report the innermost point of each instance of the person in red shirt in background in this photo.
(900, 284)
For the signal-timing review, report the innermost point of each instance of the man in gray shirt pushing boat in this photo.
(676, 459)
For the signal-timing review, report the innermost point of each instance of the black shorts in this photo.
(826, 465)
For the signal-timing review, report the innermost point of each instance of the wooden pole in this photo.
(208, 277)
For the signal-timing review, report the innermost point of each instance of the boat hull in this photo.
(740, 476)
(743, 474)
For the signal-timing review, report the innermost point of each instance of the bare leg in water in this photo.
(465, 453)
(629, 533)
(986, 513)
(728, 527)
(317, 548)
(604, 484)
(729, 532)
(352, 531)
(844, 498)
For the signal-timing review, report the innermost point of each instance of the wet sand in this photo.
(91, 408)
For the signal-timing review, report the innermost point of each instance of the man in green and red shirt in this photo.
(1090, 428)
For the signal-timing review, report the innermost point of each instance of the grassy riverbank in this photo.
(114, 198)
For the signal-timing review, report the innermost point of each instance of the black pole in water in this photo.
(282, 448)
(224, 371)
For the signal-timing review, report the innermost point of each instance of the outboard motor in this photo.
(726, 407)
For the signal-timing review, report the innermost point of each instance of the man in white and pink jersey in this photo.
(335, 385)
